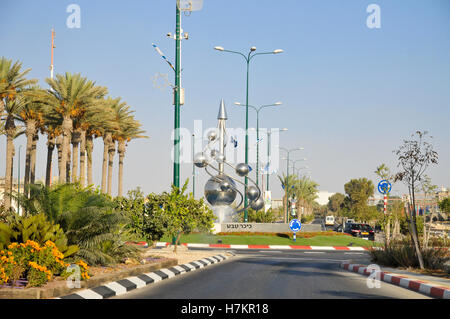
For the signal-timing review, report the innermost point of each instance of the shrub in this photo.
(87, 218)
(38, 264)
(403, 254)
(258, 216)
(34, 228)
(98, 234)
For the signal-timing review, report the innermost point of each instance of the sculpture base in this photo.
(224, 213)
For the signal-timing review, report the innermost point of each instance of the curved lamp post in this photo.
(251, 54)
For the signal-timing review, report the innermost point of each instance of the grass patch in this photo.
(318, 240)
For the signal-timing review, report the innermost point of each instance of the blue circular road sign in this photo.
(295, 225)
(384, 187)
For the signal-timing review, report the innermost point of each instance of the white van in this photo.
(329, 221)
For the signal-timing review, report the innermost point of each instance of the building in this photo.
(14, 189)
(323, 197)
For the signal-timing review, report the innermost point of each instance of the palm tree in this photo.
(121, 115)
(306, 192)
(69, 96)
(288, 183)
(31, 114)
(129, 130)
(13, 85)
(95, 115)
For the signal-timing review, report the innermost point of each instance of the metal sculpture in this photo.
(220, 189)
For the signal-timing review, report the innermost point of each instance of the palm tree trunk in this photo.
(50, 148)
(67, 129)
(68, 165)
(59, 148)
(89, 150)
(10, 128)
(30, 128)
(83, 158)
(74, 161)
(111, 153)
(121, 151)
(76, 136)
(106, 142)
(33, 159)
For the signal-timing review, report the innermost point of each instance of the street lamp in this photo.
(257, 109)
(251, 54)
(18, 183)
(287, 176)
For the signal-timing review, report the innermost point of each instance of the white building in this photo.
(323, 197)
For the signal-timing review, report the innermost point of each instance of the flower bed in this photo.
(34, 265)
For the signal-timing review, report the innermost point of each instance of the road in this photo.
(319, 221)
(268, 274)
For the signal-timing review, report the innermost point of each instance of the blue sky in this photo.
(350, 94)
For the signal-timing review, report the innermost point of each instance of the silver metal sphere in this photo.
(212, 135)
(242, 169)
(220, 158)
(258, 204)
(225, 186)
(214, 193)
(200, 160)
(252, 192)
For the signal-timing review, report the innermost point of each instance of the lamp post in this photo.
(257, 109)
(269, 136)
(18, 183)
(247, 58)
(287, 176)
(193, 166)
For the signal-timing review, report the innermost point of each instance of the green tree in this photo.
(444, 205)
(358, 192)
(414, 157)
(336, 202)
(184, 213)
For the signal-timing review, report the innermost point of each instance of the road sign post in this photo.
(295, 225)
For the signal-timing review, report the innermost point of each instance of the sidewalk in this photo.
(438, 281)
(433, 286)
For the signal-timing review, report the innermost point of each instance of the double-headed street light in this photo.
(257, 109)
(287, 176)
(251, 54)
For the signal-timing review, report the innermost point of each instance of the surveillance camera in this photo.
(169, 35)
(186, 35)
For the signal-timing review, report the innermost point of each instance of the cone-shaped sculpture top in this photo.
(222, 111)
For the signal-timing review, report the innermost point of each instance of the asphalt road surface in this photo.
(271, 274)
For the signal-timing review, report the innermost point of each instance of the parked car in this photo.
(364, 231)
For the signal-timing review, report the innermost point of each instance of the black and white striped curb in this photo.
(125, 285)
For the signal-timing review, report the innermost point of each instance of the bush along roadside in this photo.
(403, 254)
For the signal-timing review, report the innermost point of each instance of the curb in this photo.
(125, 285)
(287, 247)
(402, 281)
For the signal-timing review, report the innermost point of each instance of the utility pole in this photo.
(52, 68)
